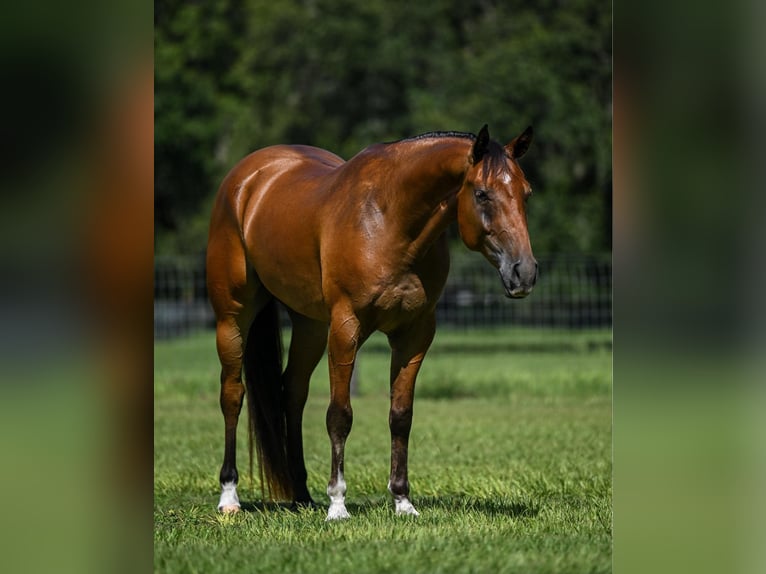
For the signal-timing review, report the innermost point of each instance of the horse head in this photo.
(492, 210)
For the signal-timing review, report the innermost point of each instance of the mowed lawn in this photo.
(510, 464)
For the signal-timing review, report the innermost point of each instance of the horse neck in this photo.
(429, 176)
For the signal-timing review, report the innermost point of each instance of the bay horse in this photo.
(348, 247)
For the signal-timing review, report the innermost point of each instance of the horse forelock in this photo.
(495, 161)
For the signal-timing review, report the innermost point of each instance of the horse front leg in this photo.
(409, 346)
(342, 346)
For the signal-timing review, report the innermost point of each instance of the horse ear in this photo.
(520, 144)
(480, 145)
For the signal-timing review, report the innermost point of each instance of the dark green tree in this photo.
(236, 75)
(196, 47)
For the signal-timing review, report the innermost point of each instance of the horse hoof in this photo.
(338, 512)
(404, 508)
(229, 509)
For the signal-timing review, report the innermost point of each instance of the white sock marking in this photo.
(229, 501)
(402, 504)
(337, 496)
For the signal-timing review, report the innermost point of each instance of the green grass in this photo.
(510, 464)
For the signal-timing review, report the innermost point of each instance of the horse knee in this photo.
(339, 419)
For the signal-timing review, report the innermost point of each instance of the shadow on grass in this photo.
(260, 506)
(359, 507)
(450, 503)
(485, 347)
(487, 506)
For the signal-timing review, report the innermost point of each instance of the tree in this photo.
(236, 75)
(196, 46)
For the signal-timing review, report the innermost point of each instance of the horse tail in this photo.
(267, 426)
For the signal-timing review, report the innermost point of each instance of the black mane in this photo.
(439, 134)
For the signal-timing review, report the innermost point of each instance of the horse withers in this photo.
(348, 247)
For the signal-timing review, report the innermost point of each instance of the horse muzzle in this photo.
(519, 277)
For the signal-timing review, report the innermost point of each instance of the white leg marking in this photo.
(337, 496)
(403, 504)
(229, 502)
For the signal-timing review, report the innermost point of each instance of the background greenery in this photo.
(235, 75)
(510, 464)
(511, 444)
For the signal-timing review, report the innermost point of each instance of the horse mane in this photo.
(494, 161)
(438, 134)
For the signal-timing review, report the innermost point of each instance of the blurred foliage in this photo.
(236, 75)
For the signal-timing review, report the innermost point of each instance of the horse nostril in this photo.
(524, 272)
(515, 272)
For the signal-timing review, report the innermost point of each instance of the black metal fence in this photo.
(573, 291)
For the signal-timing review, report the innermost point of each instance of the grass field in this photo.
(510, 464)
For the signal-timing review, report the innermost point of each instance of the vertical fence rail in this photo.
(573, 291)
(181, 305)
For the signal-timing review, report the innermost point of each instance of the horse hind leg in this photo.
(234, 317)
(307, 345)
(230, 344)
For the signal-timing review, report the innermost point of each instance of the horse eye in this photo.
(481, 195)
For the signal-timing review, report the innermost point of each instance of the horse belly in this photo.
(293, 280)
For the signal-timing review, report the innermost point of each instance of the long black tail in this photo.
(265, 404)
